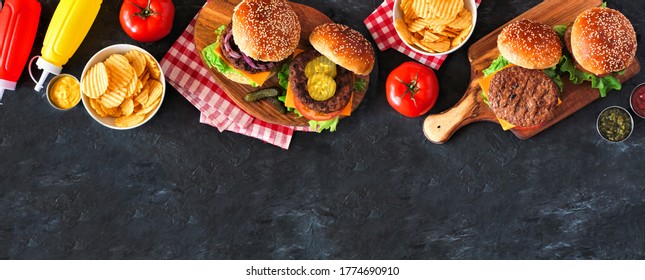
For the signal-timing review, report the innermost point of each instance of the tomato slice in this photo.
(311, 114)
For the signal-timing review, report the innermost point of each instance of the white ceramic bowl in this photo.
(103, 55)
(468, 4)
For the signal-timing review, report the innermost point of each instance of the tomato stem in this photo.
(144, 12)
(412, 88)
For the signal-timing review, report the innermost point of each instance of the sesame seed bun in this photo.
(603, 41)
(266, 30)
(344, 46)
(530, 44)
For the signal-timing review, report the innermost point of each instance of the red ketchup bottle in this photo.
(18, 26)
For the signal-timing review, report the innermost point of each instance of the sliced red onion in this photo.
(249, 61)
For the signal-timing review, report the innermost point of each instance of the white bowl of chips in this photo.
(122, 86)
(434, 27)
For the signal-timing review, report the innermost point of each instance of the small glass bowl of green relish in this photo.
(615, 124)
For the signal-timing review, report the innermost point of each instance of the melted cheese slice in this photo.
(258, 78)
(288, 102)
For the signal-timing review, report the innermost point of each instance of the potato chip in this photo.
(137, 60)
(156, 89)
(97, 108)
(462, 36)
(127, 121)
(445, 8)
(95, 82)
(113, 97)
(146, 110)
(151, 64)
(127, 107)
(462, 21)
(422, 8)
(119, 71)
(403, 29)
(438, 46)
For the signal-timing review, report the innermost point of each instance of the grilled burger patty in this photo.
(240, 63)
(298, 81)
(523, 97)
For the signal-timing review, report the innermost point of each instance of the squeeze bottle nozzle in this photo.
(48, 68)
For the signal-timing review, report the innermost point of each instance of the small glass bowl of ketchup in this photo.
(637, 100)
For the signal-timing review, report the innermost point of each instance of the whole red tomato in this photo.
(147, 20)
(412, 89)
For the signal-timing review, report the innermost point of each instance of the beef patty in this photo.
(240, 63)
(298, 81)
(523, 97)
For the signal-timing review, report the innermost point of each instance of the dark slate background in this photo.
(375, 189)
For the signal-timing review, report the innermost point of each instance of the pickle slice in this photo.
(321, 87)
(320, 65)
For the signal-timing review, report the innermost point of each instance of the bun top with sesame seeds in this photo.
(603, 40)
(344, 46)
(266, 30)
(530, 44)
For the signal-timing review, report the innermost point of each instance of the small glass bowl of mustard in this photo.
(64, 92)
(615, 124)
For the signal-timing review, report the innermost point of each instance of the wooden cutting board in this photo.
(219, 12)
(471, 108)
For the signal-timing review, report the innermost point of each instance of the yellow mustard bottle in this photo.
(69, 26)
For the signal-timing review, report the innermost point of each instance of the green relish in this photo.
(615, 124)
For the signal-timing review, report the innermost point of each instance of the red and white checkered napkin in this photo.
(185, 71)
(381, 26)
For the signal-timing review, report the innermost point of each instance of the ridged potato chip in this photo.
(137, 60)
(152, 66)
(95, 82)
(127, 121)
(119, 71)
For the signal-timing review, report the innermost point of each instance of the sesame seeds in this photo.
(604, 40)
(271, 28)
(530, 44)
(345, 46)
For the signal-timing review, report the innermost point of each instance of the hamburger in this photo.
(521, 87)
(261, 36)
(602, 41)
(322, 80)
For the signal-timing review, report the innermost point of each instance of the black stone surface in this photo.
(375, 189)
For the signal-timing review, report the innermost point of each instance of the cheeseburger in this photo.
(321, 81)
(521, 90)
(262, 35)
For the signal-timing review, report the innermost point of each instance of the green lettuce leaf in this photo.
(360, 85)
(215, 61)
(283, 76)
(604, 4)
(319, 126)
(604, 84)
(499, 63)
(561, 29)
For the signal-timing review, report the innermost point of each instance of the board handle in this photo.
(438, 128)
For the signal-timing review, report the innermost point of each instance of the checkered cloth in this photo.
(185, 71)
(381, 25)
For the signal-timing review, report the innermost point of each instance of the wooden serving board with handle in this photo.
(471, 108)
(217, 13)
